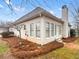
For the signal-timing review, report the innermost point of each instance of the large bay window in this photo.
(52, 29)
(47, 29)
(35, 29)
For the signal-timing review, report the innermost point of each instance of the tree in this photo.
(19, 29)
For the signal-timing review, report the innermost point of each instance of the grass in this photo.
(77, 41)
(63, 53)
(3, 48)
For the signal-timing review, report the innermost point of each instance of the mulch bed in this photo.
(69, 39)
(23, 48)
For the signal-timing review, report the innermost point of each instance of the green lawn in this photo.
(63, 53)
(3, 48)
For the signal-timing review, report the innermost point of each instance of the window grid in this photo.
(24, 27)
(55, 29)
(60, 29)
(37, 29)
(52, 29)
(32, 29)
(47, 29)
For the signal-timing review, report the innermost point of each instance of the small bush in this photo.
(72, 33)
(7, 34)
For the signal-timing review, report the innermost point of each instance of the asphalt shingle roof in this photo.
(37, 12)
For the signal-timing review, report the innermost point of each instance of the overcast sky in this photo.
(22, 7)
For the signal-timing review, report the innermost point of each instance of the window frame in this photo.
(37, 30)
(55, 30)
(32, 29)
(60, 29)
(52, 30)
(47, 29)
(24, 27)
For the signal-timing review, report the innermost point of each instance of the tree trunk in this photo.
(20, 33)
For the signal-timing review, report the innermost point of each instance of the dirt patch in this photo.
(69, 43)
(72, 46)
(7, 56)
(2, 42)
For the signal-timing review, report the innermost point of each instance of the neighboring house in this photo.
(42, 27)
(3, 29)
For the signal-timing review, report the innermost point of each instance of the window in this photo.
(24, 27)
(47, 29)
(60, 29)
(55, 29)
(37, 29)
(32, 29)
(52, 29)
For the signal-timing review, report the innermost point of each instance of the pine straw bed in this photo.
(23, 48)
(69, 39)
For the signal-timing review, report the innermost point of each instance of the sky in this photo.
(21, 7)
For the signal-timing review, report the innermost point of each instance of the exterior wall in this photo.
(27, 31)
(42, 40)
(3, 30)
(31, 38)
(51, 38)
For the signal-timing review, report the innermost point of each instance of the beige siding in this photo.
(42, 40)
(49, 39)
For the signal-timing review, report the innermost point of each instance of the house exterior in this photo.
(42, 27)
(3, 29)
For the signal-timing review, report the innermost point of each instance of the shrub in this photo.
(7, 34)
(72, 32)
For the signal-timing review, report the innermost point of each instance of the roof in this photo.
(4, 26)
(36, 13)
